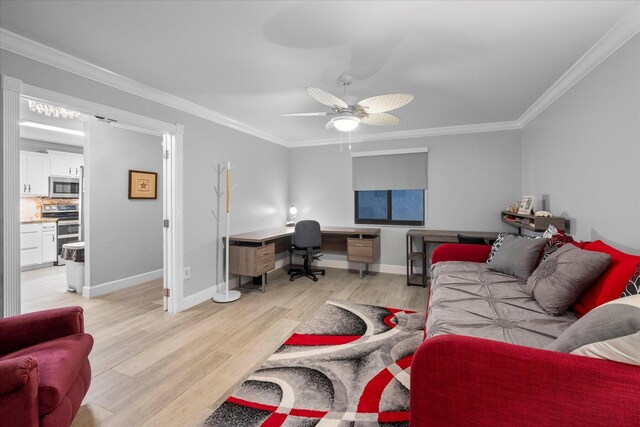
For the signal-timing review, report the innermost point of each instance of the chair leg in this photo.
(305, 271)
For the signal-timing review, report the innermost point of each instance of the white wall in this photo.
(261, 168)
(581, 155)
(125, 235)
(470, 179)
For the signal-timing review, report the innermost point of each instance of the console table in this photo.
(420, 237)
(253, 254)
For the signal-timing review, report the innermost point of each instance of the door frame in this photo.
(172, 134)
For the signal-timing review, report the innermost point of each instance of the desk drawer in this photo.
(251, 260)
(363, 250)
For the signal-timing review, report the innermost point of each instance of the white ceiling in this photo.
(465, 62)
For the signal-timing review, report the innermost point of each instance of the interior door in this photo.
(166, 204)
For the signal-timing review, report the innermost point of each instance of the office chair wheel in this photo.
(322, 273)
(315, 279)
(291, 278)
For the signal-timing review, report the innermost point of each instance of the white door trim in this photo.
(12, 89)
(10, 189)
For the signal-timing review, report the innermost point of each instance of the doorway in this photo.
(168, 137)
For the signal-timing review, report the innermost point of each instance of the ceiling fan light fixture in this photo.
(345, 123)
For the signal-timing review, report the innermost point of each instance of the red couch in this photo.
(465, 381)
(44, 367)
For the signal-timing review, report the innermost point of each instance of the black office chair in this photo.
(306, 243)
(469, 240)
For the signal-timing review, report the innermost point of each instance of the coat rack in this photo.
(226, 295)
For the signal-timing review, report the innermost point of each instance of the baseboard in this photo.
(207, 294)
(116, 285)
(346, 265)
(199, 297)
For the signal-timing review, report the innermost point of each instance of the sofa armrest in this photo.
(25, 330)
(19, 392)
(460, 252)
(462, 381)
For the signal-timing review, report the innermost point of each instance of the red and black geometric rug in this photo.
(346, 366)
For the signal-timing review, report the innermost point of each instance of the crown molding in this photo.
(627, 27)
(415, 133)
(31, 49)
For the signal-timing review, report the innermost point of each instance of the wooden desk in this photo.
(253, 253)
(424, 236)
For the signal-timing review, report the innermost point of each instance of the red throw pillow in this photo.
(611, 283)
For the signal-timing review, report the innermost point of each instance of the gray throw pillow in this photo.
(610, 331)
(517, 257)
(560, 279)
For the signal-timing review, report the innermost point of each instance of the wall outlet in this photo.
(187, 273)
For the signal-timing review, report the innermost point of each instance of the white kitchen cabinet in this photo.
(65, 164)
(38, 244)
(49, 243)
(34, 174)
(30, 244)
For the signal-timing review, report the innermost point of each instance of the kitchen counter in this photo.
(36, 221)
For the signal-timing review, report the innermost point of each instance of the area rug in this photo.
(346, 366)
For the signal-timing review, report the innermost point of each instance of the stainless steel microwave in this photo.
(64, 187)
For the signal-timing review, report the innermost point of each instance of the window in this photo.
(392, 207)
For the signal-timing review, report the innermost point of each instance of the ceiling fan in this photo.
(348, 112)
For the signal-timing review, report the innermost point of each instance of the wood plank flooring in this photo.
(151, 368)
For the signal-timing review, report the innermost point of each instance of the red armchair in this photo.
(44, 367)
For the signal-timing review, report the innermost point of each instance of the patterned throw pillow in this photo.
(550, 231)
(557, 239)
(633, 287)
(610, 331)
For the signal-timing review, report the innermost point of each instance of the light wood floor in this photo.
(156, 369)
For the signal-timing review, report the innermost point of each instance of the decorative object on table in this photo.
(227, 295)
(526, 205)
(334, 370)
(543, 214)
(293, 211)
(513, 208)
(143, 185)
(348, 112)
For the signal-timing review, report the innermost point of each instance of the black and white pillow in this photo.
(610, 331)
(550, 231)
(633, 287)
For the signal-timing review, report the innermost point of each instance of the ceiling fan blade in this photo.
(326, 98)
(305, 114)
(381, 119)
(383, 103)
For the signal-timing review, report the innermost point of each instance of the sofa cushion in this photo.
(59, 363)
(469, 299)
(610, 331)
(633, 286)
(559, 281)
(517, 257)
(611, 283)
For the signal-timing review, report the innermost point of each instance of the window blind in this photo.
(392, 171)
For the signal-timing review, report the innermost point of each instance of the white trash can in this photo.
(73, 254)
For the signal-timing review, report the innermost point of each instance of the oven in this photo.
(64, 187)
(68, 216)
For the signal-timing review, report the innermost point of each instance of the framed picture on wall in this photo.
(143, 185)
(526, 205)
